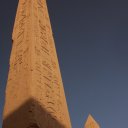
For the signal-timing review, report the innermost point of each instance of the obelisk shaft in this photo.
(91, 123)
(35, 95)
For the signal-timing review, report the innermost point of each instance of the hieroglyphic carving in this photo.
(47, 48)
(34, 65)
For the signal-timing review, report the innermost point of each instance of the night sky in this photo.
(91, 38)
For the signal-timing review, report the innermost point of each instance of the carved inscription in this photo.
(20, 35)
(34, 69)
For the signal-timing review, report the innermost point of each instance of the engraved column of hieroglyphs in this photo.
(21, 41)
(55, 89)
(20, 35)
(55, 81)
(56, 78)
(46, 59)
(41, 55)
(16, 58)
(56, 75)
(38, 57)
(16, 63)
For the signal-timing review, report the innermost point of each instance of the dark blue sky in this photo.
(92, 44)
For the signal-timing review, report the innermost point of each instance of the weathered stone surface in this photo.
(91, 123)
(35, 95)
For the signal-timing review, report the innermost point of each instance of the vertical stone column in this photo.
(35, 95)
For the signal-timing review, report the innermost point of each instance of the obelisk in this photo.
(91, 123)
(34, 96)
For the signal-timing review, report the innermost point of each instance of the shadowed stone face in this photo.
(33, 126)
(35, 95)
(26, 117)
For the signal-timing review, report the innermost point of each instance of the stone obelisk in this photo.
(34, 96)
(91, 123)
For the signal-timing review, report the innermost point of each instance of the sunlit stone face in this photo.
(91, 123)
(34, 94)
